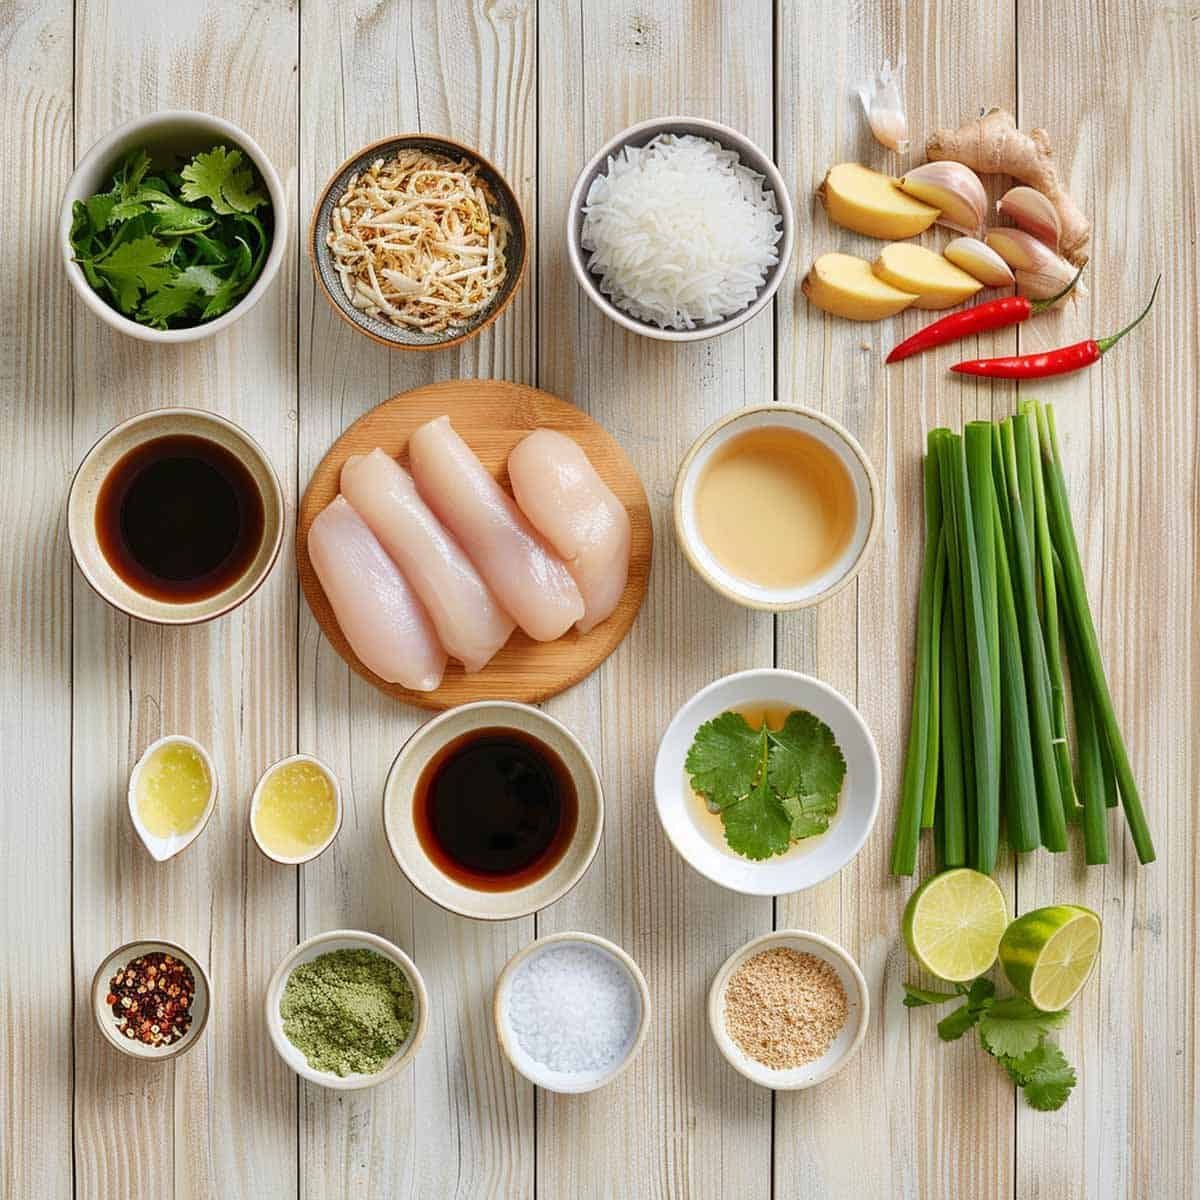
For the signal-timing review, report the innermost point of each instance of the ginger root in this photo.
(992, 144)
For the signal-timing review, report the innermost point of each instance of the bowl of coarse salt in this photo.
(571, 1011)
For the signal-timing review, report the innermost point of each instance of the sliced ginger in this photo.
(867, 202)
(937, 282)
(846, 286)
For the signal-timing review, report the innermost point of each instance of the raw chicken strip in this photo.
(469, 621)
(378, 612)
(575, 511)
(533, 585)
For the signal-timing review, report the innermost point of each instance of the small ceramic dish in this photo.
(167, 136)
(698, 834)
(326, 943)
(85, 492)
(638, 135)
(536, 1072)
(843, 1047)
(162, 848)
(862, 477)
(256, 800)
(376, 328)
(426, 876)
(102, 1011)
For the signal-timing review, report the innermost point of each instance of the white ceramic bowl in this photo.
(638, 135)
(812, 860)
(536, 1072)
(201, 1000)
(168, 134)
(256, 800)
(326, 943)
(862, 476)
(426, 876)
(162, 848)
(843, 1047)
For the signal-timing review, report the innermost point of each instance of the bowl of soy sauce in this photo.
(493, 810)
(175, 516)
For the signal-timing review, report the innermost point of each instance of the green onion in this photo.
(928, 808)
(1091, 763)
(953, 811)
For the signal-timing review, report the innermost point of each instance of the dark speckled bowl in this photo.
(374, 327)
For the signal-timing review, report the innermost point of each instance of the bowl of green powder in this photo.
(347, 1009)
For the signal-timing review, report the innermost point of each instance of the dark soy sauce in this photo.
(179, 518)
(495, 809)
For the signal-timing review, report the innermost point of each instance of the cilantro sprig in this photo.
(772, 787)
(175, 249)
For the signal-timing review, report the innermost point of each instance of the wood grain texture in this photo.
(492, 417)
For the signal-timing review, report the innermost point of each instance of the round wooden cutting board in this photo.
(492, 416)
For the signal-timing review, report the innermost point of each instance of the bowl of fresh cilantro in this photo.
(173, 226)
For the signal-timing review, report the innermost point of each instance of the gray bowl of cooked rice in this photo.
(418, 242)
(680, 229)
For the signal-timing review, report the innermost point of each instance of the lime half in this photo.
(1049, 953)
(953, 924)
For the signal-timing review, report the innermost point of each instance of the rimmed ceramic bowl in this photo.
(377, 329)
(862, 477)
(698, 835)
(85, 492)
(523, 1061)
(168, 135)
(326, 943)
(841, 1050)
(256, 801)
(426, 876)
(163, 848)
(639, 135)
(201, 1001)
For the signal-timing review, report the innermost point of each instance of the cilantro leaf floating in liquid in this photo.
(724, 759)
(805, 761)
(757, 826)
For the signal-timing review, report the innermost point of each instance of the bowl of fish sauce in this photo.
(493, 810)
(175, 516)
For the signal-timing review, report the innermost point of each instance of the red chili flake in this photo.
(151, 998)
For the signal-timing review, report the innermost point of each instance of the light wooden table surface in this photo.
(537, 86)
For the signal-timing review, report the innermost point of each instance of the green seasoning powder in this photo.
(347, 1011)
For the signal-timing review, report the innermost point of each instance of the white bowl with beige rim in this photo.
(807, 504)
(256, 800)
(841, 1049)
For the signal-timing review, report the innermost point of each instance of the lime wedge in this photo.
(1049, 953)
(953, 924)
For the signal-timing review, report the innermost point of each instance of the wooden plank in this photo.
(459, 1122)
(900, 1119)
(35, 674)
(680, 1122)
(1130, 440)
(222, 1119)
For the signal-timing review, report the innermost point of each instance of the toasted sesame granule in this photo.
(783, 1007)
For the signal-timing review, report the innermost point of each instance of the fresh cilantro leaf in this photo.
(218, 177)
(917, 997)
(757, 826)
(1044, 1074)
(725, 758)
(187, 290)
(135, 266)
(809, 814)
(805, 761)
(174, 218)
(979, 1000)
(1013, 1027)
(241, 276)
(131, 172)
(100, 209)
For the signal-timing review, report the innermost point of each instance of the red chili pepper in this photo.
(995, 314)
(1050, 362)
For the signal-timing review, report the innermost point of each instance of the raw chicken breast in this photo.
(378, 612)
(469, 621)
(575, 511)
(532, 584)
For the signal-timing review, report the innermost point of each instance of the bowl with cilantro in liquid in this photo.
(767, 782)
(173, 226)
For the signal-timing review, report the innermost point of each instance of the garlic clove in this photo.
(1029, 210)
(979, 260)
(1021, 250)
(1048, 280)
(884, 106)
(953, 189)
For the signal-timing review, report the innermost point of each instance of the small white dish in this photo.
(523, 1062)
(170, 133)
(326, 943)
(862, 476)
(162, 848)
(256, 800)
(843, 1047)
(121, 957)
(638, 135)
(809, 862)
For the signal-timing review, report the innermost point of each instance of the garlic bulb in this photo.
(956, 191)
(884, 106)
(979, 260)
(1029, 210)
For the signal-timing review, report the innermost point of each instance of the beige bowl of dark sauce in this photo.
(493, 810)
(175, 516)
